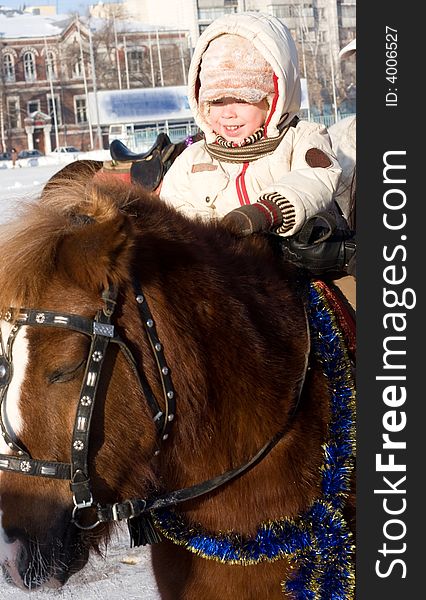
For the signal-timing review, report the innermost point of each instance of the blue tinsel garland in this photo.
(318, 542)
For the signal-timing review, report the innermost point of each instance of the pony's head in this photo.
(60, 255)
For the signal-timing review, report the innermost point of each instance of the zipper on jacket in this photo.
(241, 186)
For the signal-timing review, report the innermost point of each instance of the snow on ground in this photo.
(18, 184)
(24, 183)
(124, 573)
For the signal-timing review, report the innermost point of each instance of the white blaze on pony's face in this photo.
(13, 422)
(11, 415)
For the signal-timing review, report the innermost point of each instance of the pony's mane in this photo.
(85, 230)
(29, 244)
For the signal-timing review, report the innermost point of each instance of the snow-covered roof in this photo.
(32, 26)
(21, 26)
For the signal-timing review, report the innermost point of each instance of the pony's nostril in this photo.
(10, 535)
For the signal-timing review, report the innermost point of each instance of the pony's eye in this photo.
(65, 374)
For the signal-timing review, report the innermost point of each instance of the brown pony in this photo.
(231, 319)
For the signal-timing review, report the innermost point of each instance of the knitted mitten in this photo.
(264, 215)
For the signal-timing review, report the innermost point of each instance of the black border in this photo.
(382, 128)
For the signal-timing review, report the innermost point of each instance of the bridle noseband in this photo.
(102, 333)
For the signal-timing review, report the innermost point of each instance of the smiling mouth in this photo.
(232, 127)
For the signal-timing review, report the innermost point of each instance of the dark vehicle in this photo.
(29, 158)
(29, 153)
(4, 156)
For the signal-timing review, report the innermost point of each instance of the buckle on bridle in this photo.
(77, 489)
(82, 506)
(117, 512)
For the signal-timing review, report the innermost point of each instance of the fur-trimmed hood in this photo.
(275, 43)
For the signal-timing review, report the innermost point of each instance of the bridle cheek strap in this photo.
(80, 481)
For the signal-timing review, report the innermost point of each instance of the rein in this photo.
(102, 333)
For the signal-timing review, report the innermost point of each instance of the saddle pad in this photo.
(343, 313)
(110, 168)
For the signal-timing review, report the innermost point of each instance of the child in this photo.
(259, 167)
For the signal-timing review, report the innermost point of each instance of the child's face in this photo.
(235, 119)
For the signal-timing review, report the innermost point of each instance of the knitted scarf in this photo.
(254, 147)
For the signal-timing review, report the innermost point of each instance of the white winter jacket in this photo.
(343, 142)
(198, 184)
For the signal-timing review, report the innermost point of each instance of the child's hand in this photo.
(253, 218)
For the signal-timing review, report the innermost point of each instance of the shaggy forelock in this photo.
(29, 243)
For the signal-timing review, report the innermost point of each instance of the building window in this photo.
(282, 11)
(313, 35)
(80, 110)
(8, 68)
(212, 13)
(33, 106)
(322, 37)
(286, 11)
(348, 11)
(13, 113)
(50, 65)
(290, 11)
(348, 15)
(135, 61)
(78, 69)
(50, 110)
(30, 67)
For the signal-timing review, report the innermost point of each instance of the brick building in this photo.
(50, 64)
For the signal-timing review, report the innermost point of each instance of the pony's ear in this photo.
(78, 170)
(96, 250)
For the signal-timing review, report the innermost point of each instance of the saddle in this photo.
(146, 168)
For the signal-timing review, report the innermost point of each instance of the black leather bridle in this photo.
(102, 332)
